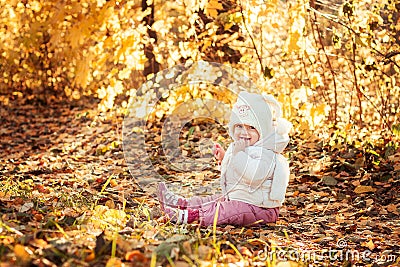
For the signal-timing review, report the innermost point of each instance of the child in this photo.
(254, 173)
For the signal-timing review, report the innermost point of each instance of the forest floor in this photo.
(67, 199)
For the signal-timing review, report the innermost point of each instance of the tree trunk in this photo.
(152, 66)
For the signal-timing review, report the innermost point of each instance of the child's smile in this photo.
(246, 133)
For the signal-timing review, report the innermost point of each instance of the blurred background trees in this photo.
(331, 62)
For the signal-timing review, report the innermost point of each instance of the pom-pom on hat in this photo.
(263, 112)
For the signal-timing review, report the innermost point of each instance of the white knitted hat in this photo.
(263, 112)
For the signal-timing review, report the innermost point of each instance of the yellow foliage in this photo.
(316, 80)
(102, 47)
(22, 253)
(127, 43)
(106, 218)
(294, 38)
(297, 24)
(82, 72)
(212, 8)
(124, 74)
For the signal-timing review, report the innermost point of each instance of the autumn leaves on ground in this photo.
(67, 199)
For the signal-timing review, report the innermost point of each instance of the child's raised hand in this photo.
(239, 145)
(218, 152)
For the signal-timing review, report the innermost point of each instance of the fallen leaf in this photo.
(249, 233)
(364, 189)
(110, 203)
(27, 206)
(22, 253)
(383, 212)
(340, 218)
(329, 180)
(7, 240)
(392, 208)
(369, 202)
(38, 217)
(135, 256)
(204, 252)
(299, 212)
(39, 243)
(113, 183)
(114, 262)
(370, 245)
(91, 256)
(245, 252)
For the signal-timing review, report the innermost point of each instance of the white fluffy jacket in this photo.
(259, 175)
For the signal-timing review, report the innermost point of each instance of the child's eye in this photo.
(239, 126)
(253, 128)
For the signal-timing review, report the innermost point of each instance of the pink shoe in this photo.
(182, 216)
(170, 199)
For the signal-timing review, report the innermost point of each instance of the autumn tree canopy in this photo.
(333, 62)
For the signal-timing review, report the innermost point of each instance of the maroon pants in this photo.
(231, 212)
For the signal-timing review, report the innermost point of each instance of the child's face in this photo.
(247, 133)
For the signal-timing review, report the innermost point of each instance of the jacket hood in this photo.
(275, 142)
(263, 112)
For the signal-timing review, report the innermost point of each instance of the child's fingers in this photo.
(217, 146)
(216, 149)
(246, 143)
(240, 145)
(218, 154)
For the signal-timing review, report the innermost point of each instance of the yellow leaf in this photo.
(364, 189)
(275, 25)
(110, 203)
(127, 43)
(212, 8)
(75, 36)
(294, 37)
(207, 43)
(340, 218)
(125, 73)
(82, 72)
(246, 58)
(228, 25)
(114, 262)
(370, 245)
(113, 183)
(315, 80)
(90, 257)
(360, 41)
(22, 253)
(135, 256)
